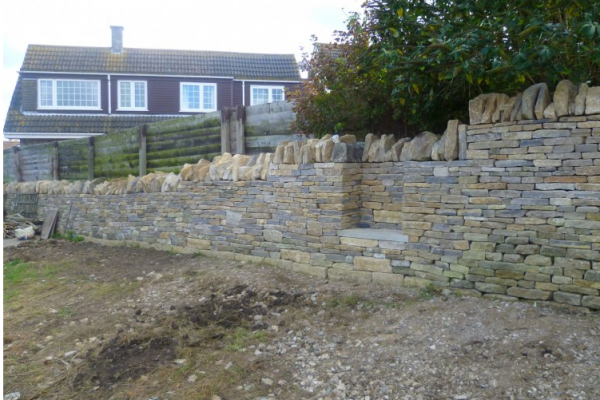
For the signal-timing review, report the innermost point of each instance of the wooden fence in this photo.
(160, 146)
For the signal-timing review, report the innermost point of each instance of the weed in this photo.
(70, 236)
(242, 338)
(198, 254)
(345, 301)
(428, 292)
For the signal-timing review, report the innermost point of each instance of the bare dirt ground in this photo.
(82, 321)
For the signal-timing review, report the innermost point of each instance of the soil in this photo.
(95, 322)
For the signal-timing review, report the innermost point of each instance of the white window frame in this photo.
(132, 108)
(55, 105)
(183, 107)
(270, 89)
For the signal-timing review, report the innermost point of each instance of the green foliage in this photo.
(70, 236)
(428, 58)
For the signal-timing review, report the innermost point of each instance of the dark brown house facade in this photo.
(73, 92)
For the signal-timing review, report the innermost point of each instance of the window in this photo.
(198, 97)
(69, 94)
(266, 94)
(133, 95)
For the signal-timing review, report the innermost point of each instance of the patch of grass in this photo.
(198, 254)
(241, 338)
(344, 301)
(429, 291)
(17, 273)
(70, 236)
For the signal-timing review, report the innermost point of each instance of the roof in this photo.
(18, 121)
(161, 62)
(31, 123)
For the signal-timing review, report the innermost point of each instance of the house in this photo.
(71, 92)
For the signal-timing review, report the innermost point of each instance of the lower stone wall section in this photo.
(488, 228)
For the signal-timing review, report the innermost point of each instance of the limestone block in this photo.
(591, 302)
(245, 173)
(451, 140)
(42, 187)
(368, 141)
(435, 151)
(592, 101)
(75, 187)
(549, 112)
(272, 235)
(267, 159)
(564, 95)
(476, 108)
(372, 264)
(327, 150)
(27, 187)
(373, 150)
(343, 152)
(531, 294)
(198, 244)
(297, 146)
(501, 100)
(543, 100)
(308, 154)
(419, 149)
(288, 153)
(515, 114)
(351, 139)
(279, 152)
(187, 172)
(257, 169)
(530, 100)
(491, 105)
(385, 144)
(396, 149)
(201, 173)
(296, 256)
(507, 108)
(580, 99)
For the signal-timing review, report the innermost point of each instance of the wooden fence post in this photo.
(225, 123)
(240, 139)
(55, 163)
(17, 164)
(142, 158)
(91, 158)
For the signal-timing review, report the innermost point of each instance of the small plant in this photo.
(345, 301)
(428, 292)
(70, 236)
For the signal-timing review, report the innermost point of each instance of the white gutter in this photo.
(265, 80)
(126, 74)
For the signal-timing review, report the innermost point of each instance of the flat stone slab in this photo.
(390, 235)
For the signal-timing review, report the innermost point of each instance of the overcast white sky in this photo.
(254, 26)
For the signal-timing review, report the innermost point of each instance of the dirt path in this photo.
(93, 322)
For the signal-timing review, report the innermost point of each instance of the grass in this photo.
(243, 338)
(69, 235)
(429, 291)
(344, 301)
(17, 272)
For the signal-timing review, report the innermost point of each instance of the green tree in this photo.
(340, 96)
(428, 58)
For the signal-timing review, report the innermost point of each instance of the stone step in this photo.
(390, 235)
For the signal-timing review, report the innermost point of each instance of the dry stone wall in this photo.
(517, 216)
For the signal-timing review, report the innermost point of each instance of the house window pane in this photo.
(277, 94)
(125, 90)
(260, 96)
(191, 97)
(77, 94)
(46, 93)
(140, 94)
(209, 98)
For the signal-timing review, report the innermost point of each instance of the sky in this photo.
(252, 26)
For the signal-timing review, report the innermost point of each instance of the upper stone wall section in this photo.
(536, 103)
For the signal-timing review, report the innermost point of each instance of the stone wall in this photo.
(520, 218)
